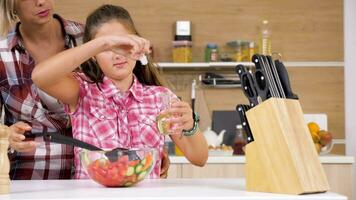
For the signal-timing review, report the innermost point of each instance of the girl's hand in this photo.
(182, 116)
(127, 45)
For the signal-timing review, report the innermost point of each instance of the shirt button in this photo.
(102, 117)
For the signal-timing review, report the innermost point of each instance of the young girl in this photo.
(116, 101)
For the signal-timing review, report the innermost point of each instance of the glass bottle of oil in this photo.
(265, 39)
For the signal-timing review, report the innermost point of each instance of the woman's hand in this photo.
(182, 116)
(16, 138)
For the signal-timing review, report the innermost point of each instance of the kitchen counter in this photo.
(338, 170)
(326, 159)
(207, 189)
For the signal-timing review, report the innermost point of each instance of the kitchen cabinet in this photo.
(177, 189)
(338, 170)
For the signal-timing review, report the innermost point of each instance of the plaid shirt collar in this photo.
(109, 89)
(14, 37)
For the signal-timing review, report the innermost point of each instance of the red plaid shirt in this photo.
(23, 101)
(108, 118)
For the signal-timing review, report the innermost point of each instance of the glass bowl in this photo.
(122, 169)
(327, 148)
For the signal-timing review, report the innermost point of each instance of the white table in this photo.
(175, 189)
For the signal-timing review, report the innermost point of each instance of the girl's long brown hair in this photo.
(147, 74)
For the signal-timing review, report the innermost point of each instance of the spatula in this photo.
(56, 137)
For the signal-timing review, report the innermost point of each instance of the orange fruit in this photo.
(313, 127)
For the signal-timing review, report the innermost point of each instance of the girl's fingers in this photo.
(181, 119)
(143, 45)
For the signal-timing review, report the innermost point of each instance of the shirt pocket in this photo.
(149, 134)
(103, 123)
(103, 113)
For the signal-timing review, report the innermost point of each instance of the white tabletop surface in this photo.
(157, 189)
(325, 159)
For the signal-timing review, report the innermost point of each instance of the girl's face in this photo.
(34, 11)
(114, 66)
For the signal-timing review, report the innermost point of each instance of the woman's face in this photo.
(114, 66)
(34, 11)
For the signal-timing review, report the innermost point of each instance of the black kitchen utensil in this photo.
(56, 137)
(276, 76)
(283, 75)
(262, 66)
(255, 87)
(217, 79)
(270, 76)
(241, 110)
(248, 85)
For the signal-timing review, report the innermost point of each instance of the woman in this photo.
(37, 35)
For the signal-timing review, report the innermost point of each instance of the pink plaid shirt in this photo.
(23, 101)
(109, 118)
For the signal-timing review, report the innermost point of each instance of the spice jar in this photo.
(245, 51)
(182, 51)
(182, 44)
(241, 50)
(211, 53)
(251, 50)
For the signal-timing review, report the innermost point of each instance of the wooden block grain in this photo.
(282, 159)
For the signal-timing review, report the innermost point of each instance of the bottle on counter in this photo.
(265, 39)
(240, 141)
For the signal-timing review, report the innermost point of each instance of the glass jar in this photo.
(182, 51)
(245, 51)
(251, 50)
(240, 141)
(211, 53)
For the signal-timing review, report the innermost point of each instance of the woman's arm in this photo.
(195, 147)
(54, 74)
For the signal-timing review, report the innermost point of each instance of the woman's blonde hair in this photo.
(7, 15)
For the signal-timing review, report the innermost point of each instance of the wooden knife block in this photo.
(282, 159)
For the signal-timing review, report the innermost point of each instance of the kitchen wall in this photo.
(302, 30)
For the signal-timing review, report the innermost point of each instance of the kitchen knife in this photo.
(270, 76)
(276, 76)
(248, 85)
(241, 110)
(262, 66)
(283, 75)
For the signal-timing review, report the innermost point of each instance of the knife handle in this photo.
(241, 110)
(283, 75)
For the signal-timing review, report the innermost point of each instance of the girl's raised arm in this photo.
(54, 75)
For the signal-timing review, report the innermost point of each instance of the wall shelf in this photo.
(233, 64)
